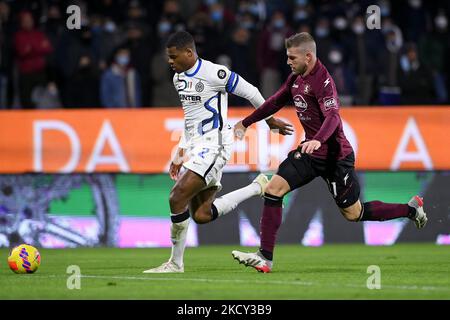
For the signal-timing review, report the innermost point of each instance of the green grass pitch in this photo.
(408, 271)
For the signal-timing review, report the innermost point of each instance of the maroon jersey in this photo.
(316, 101)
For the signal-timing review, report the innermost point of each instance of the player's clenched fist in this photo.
(239, 130)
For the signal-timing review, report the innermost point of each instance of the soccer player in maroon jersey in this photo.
(325, 152)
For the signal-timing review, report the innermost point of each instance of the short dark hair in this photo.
(180, 40)
(300, 39)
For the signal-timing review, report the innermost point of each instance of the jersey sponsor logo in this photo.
(330, 103)
(199, 87)
(221, 74)
(326, 82)
(302, 117)
(300, 102)
(187, 97)
(182, 85)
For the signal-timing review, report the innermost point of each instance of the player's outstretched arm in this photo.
(240, 87)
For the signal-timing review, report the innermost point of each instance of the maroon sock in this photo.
(270, 223)
(380, 211)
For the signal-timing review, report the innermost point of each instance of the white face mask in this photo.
(123, 60)
(358, 28)
(301, 15)
(415, 3)
(340, 23)
(52, 90)
(110, 26)
(335, 56)
(441, 22)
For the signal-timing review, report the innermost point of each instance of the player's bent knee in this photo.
(352, 213)
(177, 198)
(275, 189)
(350, 216)
(201, 217)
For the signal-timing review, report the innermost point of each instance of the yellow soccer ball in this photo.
(24, 259)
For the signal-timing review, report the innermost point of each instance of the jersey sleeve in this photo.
(231, 82)
(220, 76)
(271, 105)
(327, 96)
(328, 100)
(242, 88)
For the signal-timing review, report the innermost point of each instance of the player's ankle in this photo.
(411, 212)
(266, 254)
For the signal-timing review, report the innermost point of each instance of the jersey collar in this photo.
(314, 69)
(193, 71)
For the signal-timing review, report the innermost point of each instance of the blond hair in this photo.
(303, 40)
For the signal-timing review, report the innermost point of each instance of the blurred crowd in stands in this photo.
(117, 58)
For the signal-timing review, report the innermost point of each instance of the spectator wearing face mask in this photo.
(161, 75)
(242, 50)
(301, 14)
(256, 9)
(220, 23)
(393, 42)
(343, 77)
(413, 20)
(324, 42)
(433, 52)
(141, 52)
(172, 14)
(46, 96)
(80, 43)
(271, 53)
(415, 79)
(120, 85)
(110, 37)
(386, 82)
(364, 59)
(200, 26)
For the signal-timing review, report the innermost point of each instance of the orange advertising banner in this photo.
(143, 140)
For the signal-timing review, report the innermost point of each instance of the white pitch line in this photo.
(279, 282)
(201, 280)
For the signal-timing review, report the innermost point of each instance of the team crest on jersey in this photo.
(300, 103)
(330, 103)
(306, 89)
(199, 87)
(221, 74)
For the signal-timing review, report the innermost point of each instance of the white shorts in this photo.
(208, 161)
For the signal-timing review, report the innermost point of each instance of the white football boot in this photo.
(253, 259)
(167, 267)
(420, 219)
(178, 232)
(262, 180)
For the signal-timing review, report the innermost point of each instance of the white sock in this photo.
(229, 201)
(178, 233)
